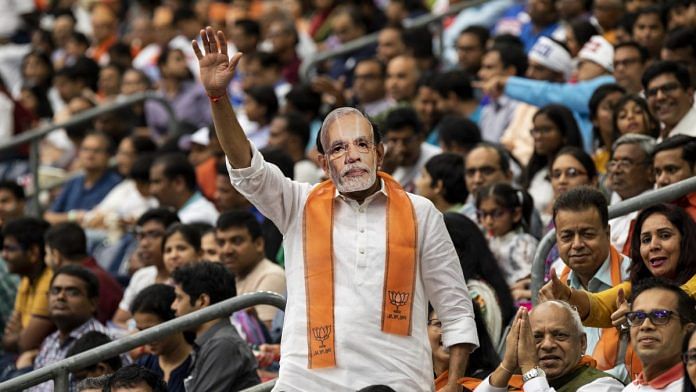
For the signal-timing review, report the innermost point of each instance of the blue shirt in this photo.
(529, 37)
(75, 196)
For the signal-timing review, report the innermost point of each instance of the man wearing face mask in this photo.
(363, 258)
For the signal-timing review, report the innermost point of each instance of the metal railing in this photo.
(60, 371)
(34, 136)
(308, 65)
(662, 195)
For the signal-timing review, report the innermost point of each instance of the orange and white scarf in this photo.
(399, 272)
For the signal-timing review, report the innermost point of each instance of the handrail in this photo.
(60, 370)
(662, 195)
(263, 387)
(33, 136)
(310, 63)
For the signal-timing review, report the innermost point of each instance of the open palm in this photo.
(217, 69)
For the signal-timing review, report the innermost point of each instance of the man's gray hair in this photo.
(93, 383)
(572, 312)
(645, 142)
(333, 116)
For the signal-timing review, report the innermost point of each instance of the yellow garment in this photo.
(601, 158)
(32, 300)
(603, 304)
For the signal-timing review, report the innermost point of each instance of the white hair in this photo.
(572, 312)
(333, 116)
(645, 142)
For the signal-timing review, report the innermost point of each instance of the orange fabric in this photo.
(103, 48)
(205, 176)
(469, 383)
(606, 350)
(627, 245)
(399, 274)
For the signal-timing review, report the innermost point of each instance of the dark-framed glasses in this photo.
(657, 317)
(570, 172)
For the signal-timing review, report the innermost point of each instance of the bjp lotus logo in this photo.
(321, 334)
(398, 298)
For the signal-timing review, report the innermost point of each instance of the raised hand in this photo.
(526, 347)
(618, 318)
(554, 289)
(217, 69)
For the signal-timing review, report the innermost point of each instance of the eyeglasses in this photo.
(150, 234)
(340, 149)
(625, 162)
(72, 292)
(626, 62)
(484, 170)
(657, 317)
(665, 89)
(689, 357)
(570, 172)
(541, 130)
(497, 213)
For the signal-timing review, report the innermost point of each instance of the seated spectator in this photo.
(11, 207)
(679, 47)
(484, 165)
(260, 106)
(500, 60)
(369, 93)
(554, 128)
(589, 262)
(631, 115)
(104, 368)
(241, 245)
(547, 346)
(85, 191)
(135, 378)
(149, 232)
(406, 152)
(672, 314)
(181, 245)
(674, 160)
(93, 384)
(670, 97)
(348, 24)
(442, 182)
(23, 251)
(209, 246)
(649, 28)
(457, 134)
(402, 78)
(456, 95)
(66, 244)
(173, 184)
(290, 132)
(601, 107)
(224, 361)
(595, 59)
(188, 98)
(470, 46)
(391, 42)
(577, 31)
(630, 174)
(425, 104)
(689, 359)
(630, 60)
(504, 213)
(169, 357)
(660, 247)
(226, 196)
(73, 298)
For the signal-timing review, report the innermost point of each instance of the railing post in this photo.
(34, 163)
(61, 383)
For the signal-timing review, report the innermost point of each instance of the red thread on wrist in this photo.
(215, 99)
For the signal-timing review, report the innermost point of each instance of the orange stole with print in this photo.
(606, 350)
(399, 270)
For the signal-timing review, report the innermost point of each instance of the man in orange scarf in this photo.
(546, 347)
(363, 258)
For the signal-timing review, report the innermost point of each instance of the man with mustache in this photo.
(588, 261)
(362, 257)
(661, 314)
(547, 346)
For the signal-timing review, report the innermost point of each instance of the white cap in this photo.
(600, 51)
(201, 136)
(552, 55)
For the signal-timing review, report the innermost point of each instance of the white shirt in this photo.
(364, 354)
(125, 201)
(406, 175)
(540, 384)
(621, 225)
(198, 209)
(141, 279)
(675, 386)
(687, 125)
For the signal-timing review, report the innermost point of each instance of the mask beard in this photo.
(350, 184)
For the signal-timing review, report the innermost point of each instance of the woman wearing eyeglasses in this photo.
(663, 245)
(689, 359)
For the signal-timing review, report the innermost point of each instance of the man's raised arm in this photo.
(217, 70)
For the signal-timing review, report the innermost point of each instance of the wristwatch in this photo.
(534, 372)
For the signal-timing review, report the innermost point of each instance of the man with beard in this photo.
(149, 232)
(363, 258)
(241, 243)
(547, 347)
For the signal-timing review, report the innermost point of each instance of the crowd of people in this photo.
(395, 194)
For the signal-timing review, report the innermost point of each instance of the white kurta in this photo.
(364, 354)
